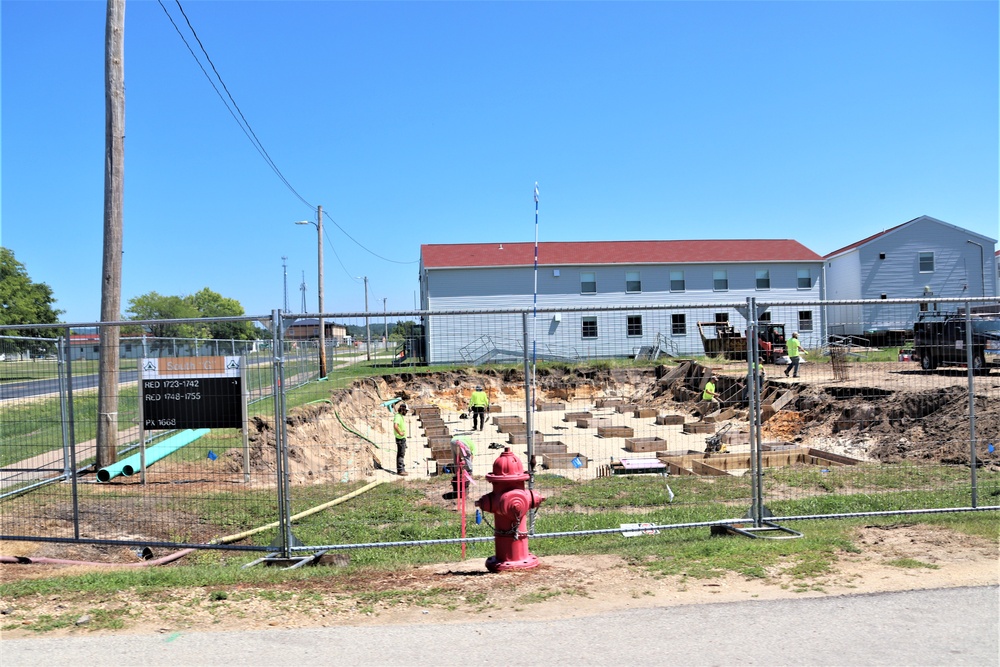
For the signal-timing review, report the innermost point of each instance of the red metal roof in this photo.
(450, 256)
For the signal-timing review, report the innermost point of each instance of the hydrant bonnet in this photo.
(507, 468)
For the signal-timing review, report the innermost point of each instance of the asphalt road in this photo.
(29, 388)
(955, 626)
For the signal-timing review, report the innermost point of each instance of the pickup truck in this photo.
(942, 342)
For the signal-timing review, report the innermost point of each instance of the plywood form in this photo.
(644, 444)
(557, 460)
(670, 420)
(615, 431)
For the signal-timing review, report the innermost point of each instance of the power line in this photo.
(245, 124)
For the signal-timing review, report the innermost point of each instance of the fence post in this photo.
(72, 437)
(753, 394)
(280, 442)
(63, 416)
(970, 354)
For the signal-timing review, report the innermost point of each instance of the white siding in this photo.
(468, 338)
(890, 265)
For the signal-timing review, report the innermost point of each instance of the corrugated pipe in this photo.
(28, 560)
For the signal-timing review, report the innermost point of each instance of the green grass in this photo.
(911, 563)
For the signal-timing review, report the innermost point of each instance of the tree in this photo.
(154, 306)
(23, 301)
(204, 304)
(212, 304)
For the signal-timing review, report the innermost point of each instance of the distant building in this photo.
(922, 258)
(610, 273)
(308, 329)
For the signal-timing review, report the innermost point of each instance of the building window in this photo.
(632, 282)
(588, 283)
(633, 325)
(764, 317)
(589, 327)
(805, 320)
(676, 281)
(805, 279)
(923, 307)
(128, 348)
(763, 279)
(722, 318)
(97, 348)
(720, 281)
(927, 262)
(678, 324)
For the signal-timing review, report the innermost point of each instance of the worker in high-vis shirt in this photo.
(399, 430)
(794, 350)
(708, 393)
(479, 403)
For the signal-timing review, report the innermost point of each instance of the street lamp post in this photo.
(385, 324)
(368, 328)
(319, 289)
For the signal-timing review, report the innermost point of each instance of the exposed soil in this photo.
(889, 414)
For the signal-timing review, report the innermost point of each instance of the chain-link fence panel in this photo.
(893, 408)
(140, 441)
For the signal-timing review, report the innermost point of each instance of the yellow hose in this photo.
(301, 515)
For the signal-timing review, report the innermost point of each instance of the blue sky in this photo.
(418, 122)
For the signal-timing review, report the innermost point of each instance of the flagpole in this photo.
(534, 375)
(534, 318)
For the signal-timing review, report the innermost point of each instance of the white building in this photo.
(922, 258)
(605, 274)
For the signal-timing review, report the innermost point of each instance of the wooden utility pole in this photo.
(111, 273)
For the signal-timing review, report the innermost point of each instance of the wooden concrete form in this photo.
(573, 416)
(644, 413)
(426, 410)
(432, 422)
(507, 419)
(563, 460)
(439, 441)
(698, 427)
(719, 464)
(494, 408)
(442, 454)
(431, 431)
(548, 406)
(676, 373)
(615, 431)
(669, 420)
(626, 408)
(513, 428)
(521, 438)
(652, 444)
(720, 416)
(593, 422)
(608, 402)
(551, 447)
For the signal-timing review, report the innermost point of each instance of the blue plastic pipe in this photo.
(167, 447)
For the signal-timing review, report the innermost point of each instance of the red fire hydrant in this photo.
(510, 502)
